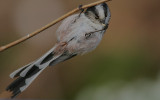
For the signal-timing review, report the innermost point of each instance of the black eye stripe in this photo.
(92, 9)
(95, 11)
(105, 8)
(105, 12)
(96, 14)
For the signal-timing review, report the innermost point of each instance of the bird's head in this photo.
(99, 13)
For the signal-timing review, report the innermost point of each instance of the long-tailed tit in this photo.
(78, 34)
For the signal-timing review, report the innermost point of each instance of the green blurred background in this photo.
(125, 66)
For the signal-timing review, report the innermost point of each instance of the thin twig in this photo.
(2, 48)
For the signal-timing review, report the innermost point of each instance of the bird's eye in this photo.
(96, 17)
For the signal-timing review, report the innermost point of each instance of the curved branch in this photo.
(2, 48)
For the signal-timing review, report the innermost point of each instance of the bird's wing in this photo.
(65, 28)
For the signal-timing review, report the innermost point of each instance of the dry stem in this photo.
(2, 48)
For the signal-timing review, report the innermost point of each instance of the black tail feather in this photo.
(30, 73)
(15, 86)
(20, 72)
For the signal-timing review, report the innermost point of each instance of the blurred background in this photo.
(125, 66)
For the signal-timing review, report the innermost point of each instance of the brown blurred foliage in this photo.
(130, 50)
(5, 95)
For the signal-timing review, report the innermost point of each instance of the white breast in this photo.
(78, 28)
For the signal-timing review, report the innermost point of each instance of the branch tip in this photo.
(2, 48)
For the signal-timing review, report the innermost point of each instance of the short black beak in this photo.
(102, 21)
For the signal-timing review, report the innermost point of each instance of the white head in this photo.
(99, 13)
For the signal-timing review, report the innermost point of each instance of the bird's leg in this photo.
(87, 35)
(105, 27)
(80, 8)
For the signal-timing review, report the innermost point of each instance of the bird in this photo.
(78, 34)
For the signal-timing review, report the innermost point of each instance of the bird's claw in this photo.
(80, 8)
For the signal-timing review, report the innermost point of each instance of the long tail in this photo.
(26, 75)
